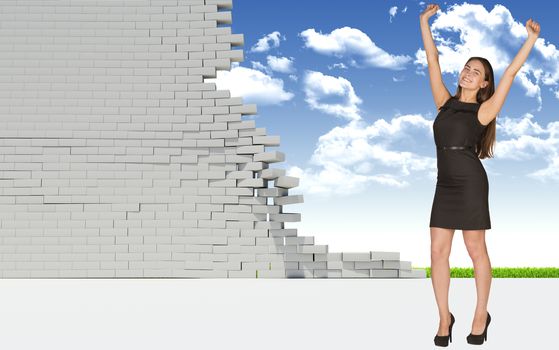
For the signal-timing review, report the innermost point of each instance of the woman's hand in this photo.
(429, 11)
(533, 28)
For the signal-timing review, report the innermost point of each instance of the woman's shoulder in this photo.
(446, 103)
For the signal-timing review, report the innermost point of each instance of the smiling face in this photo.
(472, 76)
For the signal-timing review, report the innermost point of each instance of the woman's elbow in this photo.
(510, 72)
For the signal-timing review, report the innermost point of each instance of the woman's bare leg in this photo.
(475, 243)
(441, 242)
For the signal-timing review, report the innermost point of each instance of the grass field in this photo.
(503, 272)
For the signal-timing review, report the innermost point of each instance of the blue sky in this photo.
(345, 86)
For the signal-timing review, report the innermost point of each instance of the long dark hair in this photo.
(484, 147)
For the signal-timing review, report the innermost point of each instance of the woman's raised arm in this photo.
(440, 92)
(490, 108)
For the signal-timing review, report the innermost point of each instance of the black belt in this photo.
(454, 147)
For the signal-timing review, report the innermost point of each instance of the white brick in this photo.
(244, 109)
(385, 255)
(220, 17)
(288, 200)
(270, 157)
(286, 182)
(221, 3)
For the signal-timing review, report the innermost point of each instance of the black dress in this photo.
(461, 195)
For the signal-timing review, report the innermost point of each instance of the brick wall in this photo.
(118, 160)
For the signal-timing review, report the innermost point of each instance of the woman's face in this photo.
(472, 76)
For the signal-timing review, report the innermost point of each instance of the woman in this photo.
(464, 132)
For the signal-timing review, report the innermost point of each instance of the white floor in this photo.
(267, 314)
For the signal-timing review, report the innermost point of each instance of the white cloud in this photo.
(336, 179)
(495, 35)
(351, 144)
(280, 64)
(276, 64)
(522, 148)
(337, 65)
(549, 173)
(530, 141)
(318, 87)
(346, 41)
(267, 42)
(350, 157)
(259, 66)
(253, 85)
(392, 12)
(519, 127)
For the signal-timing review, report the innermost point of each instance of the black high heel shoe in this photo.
(478, 339)
(442, 340)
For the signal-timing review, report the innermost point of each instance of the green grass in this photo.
(503, 272)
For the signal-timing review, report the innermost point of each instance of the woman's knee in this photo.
(475, 243)
(440, 252)
(441, 242)
(476, 250)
